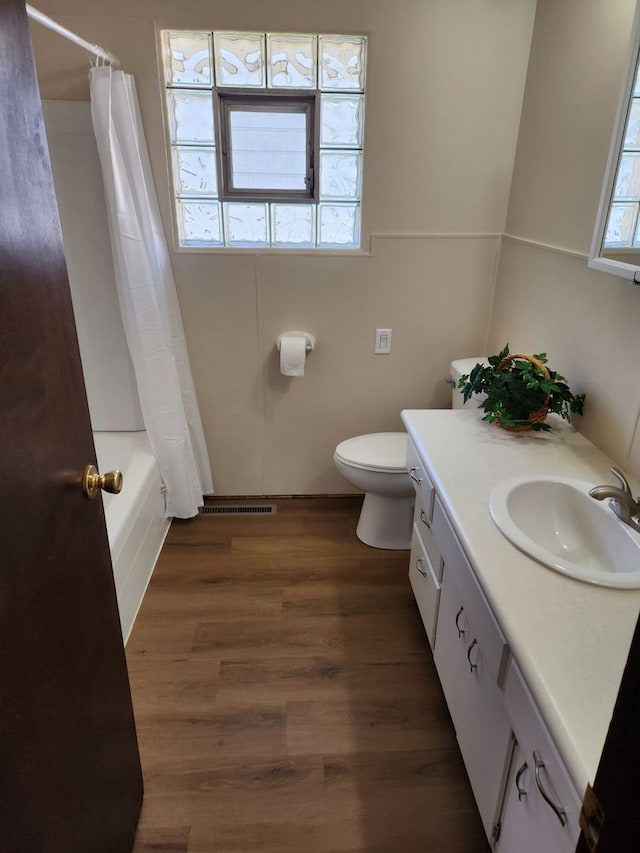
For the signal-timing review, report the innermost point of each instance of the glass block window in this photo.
(623, 225)
(266, 133)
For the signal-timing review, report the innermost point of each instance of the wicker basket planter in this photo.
(519, 391)
(538, 416)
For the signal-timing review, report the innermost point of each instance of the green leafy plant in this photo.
(519, 394)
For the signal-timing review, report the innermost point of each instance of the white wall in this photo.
(445, 85)
(548, 300)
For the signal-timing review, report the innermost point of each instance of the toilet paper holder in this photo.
(310, 339)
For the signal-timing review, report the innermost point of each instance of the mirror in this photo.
(616, 241)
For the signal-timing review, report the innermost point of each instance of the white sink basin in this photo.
(553, 520)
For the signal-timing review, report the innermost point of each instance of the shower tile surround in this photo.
(269, 435)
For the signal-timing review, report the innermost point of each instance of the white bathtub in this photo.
(136, 525)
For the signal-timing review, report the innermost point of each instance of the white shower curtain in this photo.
(147, 294)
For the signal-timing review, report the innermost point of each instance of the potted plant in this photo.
(520, 391)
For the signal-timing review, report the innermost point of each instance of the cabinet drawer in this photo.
(420, 479)
(425, 585)
(424, 526)
(475, 621)
(546, 794)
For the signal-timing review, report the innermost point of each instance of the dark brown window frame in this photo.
(303, 100)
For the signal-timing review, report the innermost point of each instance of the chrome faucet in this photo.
(621, 500)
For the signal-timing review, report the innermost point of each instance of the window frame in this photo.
(225, 99)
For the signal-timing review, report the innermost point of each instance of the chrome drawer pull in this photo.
(424, 519)
(521, 791)
(473, 666)
(559, 812)
(412, 474)
(418, 567)
(458, 615)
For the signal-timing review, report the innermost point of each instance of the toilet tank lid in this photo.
(382, 451)
(462, 366)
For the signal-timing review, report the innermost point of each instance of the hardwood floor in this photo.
(285, 695)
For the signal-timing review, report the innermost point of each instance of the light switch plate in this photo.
(383, 341)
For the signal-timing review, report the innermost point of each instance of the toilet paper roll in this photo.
(292, 355)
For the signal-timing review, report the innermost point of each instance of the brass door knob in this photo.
(92, 481)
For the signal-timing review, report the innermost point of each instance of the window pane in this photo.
(199, 223)
(293, 225)
(292, 61)
(246, 224)
(341, 121)
(340, 174)
(239, 59)
(632, 133)
(190, 116)
(628, 178)
(188, 59)
(339, 226)
(621, 224)
(342, 63)
(268, 149)
(194, 171)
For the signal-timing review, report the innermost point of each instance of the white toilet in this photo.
(376, 463)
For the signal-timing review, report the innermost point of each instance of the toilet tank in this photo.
(459, 368)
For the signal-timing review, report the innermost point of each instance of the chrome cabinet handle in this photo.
(473, 666)
(559, 812)
(521, 791)
(424, 519)
(412, 474)
(418, 567)
(458, 615)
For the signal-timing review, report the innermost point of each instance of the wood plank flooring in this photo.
(285, 695)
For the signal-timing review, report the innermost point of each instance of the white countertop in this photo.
(570, 639)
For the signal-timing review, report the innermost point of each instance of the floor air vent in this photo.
(220, 509)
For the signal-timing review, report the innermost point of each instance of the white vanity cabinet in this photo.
(541, 806)
(524, 795)
(470, 655)
(469, 649)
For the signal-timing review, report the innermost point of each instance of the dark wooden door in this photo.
(617, 782)
(70, 779)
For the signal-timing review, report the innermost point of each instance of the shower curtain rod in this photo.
(50, 24)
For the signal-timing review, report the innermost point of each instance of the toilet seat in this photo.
(385, 452)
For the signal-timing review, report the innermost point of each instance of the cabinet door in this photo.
(518, 832)
(528, 824)
(542, 807)
(474, 698)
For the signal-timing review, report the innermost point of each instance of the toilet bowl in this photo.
(376, 463)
